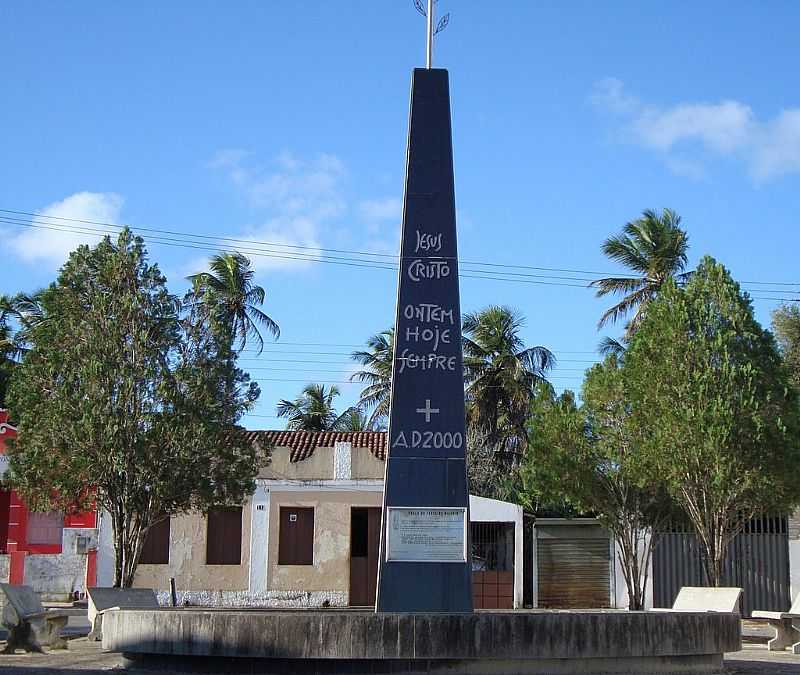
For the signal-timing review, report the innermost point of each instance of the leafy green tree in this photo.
(123, 401)
(655, 248)
(786, 326)
(227, 296)
(377, 373)
(314, 410)
(713, 408)
(500, 374)
(585, 459)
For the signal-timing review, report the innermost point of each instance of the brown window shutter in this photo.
(296, 536)
(224, 536)
(156, 545)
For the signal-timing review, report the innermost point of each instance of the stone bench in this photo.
(30, 626)
(705, 599)
(786, 635)
(103, 599)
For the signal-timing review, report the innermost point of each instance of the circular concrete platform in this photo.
(345, 641)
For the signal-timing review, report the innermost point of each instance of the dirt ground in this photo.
(87, 658)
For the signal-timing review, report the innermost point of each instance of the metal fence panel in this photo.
(757, 561)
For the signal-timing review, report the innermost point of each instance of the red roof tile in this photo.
(303, 443)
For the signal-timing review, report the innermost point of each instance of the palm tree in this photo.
(353, 419)
(7, 344)
(501, 373)
(227, 294)
(27, 312)
(654, 247)
(377, 360)
(611, 347)
(313, 410)
(8, 348)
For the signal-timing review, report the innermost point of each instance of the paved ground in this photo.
(87, 658)
(756, 660)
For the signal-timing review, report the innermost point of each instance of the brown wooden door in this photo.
(365, 532)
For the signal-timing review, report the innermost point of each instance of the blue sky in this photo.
(286, 123)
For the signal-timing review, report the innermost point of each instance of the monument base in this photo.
(350, 641)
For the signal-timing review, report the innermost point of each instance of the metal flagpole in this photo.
(430, 34)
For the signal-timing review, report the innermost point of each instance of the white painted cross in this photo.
(428, 411)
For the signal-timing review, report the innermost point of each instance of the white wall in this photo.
(105, 550)
(57, 575)
(259, 538)
(484, 510)
(619, 589)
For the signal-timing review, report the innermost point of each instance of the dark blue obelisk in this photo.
(425, 549)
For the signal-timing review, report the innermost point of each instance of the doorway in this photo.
(492, 565)
(365, 532)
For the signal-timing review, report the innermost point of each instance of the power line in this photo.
(164, 241)
(282, 343)
(571, 378)
(296, 353)
(320, 253)
(249, 369)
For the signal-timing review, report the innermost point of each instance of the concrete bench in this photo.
(30, 626)
(705, 599)
(786, 635)
(104, 599)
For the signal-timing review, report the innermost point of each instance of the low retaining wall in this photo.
(334, 641)
(248, 599)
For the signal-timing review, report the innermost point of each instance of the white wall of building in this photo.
(619, 589)
(484, 510)
(259, 538)
(105, 550)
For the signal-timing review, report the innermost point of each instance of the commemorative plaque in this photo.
(426, 535)
(424, 561)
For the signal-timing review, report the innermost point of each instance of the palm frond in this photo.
(656, 248)
(610, 347)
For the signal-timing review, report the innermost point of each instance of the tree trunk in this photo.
(129, 539)
(634, 561)
(712, 539)
(116, 524)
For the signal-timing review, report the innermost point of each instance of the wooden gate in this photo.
(757, 561)
(365, 533)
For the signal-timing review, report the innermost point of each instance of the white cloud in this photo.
(725, 129)
(52, 246)
(722, 127)
(390, 208)
(299, 197)
(610, 94)
(779, 150)
(381, 218)
(288, 242)
(294, 186)
(280, 240)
